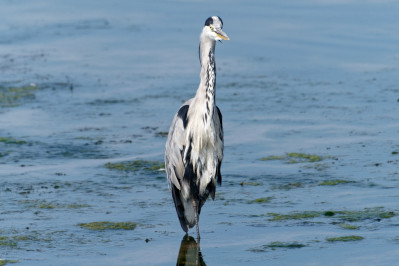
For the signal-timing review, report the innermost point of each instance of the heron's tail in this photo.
(184, 209)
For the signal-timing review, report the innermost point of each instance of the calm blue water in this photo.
(309, 77)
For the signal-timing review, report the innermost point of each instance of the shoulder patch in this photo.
(182, 113)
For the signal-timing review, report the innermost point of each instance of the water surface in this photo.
(309, 96)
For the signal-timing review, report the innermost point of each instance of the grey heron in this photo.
(194, 148)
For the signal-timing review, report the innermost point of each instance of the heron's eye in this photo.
(211, 28)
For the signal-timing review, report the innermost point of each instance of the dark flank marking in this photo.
(209, 21)
(207, 107)
(206, 117)
(210, 189)
(182, 113)
(190, 177)
(221, 122)
(218, 173)
(182, 151)
(188, 153)
(189, 174)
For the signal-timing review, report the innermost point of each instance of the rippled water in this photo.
(309, 95)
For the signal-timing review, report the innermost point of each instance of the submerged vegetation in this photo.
(344, 238)
(278, 245)
(377, 213)
(8, 140)
(250, 184)
(12, 96)
(43, 204)
(348, 226)
(5, 262)
(105, 225)
(261, 200)
(6, 241)
(294, 216)
(14, 240)
(137, 165)
(335, 182)
(294, 157)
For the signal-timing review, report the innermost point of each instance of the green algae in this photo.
(317, 166)
(163, 134)
(8, 140)
(348, 226)
(15, 241)
(278, 245)
(289, 186)
(376, 213)
(43, 204)
(4, 262)
(302, 157)
(260, 200)
(344, 238)
(12, 96)
(77, 206)
(250, 184)
(335, 182)
(137, 165)
(7, 242)
(294, 216)
(294, 157)
(272, 158)
(105, 225)
(329, 213)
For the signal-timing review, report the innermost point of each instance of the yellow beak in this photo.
(222, 35)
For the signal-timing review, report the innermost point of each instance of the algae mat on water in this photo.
(294, 157)
(377, 213)
(278, 245)
(345, 238)
(4, 262)
(335, 182)
(105, 225)
(137, 165)
(8, 140)
(12, 96)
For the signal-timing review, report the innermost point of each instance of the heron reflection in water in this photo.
(194, 148)
(190, 253)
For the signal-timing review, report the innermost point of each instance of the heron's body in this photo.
(194, 148)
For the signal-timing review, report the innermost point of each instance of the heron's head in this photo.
(213, 29)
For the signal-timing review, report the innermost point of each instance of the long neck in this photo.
(207, 86)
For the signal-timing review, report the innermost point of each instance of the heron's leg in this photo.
(195, 205)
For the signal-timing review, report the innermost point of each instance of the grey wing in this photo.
(174, 148)
(174, 160)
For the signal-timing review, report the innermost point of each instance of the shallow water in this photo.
(82, 86)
